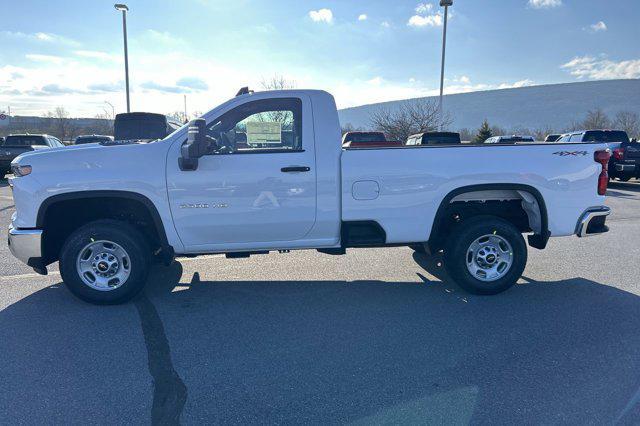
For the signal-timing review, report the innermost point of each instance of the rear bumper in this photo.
(625, 168)
(592, 221)
(26, 245)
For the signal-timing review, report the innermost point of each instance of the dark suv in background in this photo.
(625, 154)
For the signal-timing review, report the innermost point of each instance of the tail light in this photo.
(618, 153)
(603, 157)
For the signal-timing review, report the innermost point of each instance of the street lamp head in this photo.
(446, 3)
(120, 6)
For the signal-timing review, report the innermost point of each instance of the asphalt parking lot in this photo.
(379, 336)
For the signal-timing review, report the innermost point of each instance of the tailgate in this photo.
(8, 153)
(632, 151)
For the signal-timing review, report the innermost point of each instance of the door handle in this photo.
(292, 169)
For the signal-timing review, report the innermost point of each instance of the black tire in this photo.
(455, 260)
(123, 234)
(624, 179)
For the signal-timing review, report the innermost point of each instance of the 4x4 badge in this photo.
(568, 153)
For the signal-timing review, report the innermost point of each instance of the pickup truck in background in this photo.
(552, 138)
(367, 140)
(434, 138)
(107, 212)
(15, 145)
(510, 139)
(84, 139)
(625, 158)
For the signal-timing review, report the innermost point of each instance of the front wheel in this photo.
(486, 255)
(105, 262)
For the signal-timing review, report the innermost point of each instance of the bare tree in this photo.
(350, 128)
(178, 116)
(410, 117)
(629, 122)
(277, 82)
(596, 119)
(61, 125)
(104, 125)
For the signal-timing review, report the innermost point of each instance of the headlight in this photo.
(18, 170)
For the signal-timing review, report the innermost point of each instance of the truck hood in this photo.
(71, 151)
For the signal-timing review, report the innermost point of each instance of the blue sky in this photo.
(70, 52)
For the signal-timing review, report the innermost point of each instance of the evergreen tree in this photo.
(484, 133)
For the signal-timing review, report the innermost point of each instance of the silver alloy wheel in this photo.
(489, 258)
(103, 265)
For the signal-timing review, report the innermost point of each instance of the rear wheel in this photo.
(624, 179)
(105, 262)
(486, 255)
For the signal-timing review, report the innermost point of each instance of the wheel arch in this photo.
(537, 240)
(50, 205)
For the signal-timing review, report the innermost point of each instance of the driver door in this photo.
(257, 188)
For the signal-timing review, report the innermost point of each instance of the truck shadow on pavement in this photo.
(633, 186)
(326, 352)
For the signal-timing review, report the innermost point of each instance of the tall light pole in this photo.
(125, 9)
(445, 4)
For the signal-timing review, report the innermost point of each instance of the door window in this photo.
(270, 125)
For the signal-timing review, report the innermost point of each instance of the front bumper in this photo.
(26, 245)
(592, 222)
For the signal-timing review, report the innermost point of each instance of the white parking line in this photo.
(25, 276)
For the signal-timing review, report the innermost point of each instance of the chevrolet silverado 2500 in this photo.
(265, 171)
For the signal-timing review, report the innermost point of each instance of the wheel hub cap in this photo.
(489, 258)
(103, 265)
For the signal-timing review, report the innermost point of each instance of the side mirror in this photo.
(196, 145)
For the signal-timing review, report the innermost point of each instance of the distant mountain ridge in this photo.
(555, 106)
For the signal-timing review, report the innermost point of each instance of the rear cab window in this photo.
(20, 141)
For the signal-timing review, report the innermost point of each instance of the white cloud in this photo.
(321, 15)
(598, 26)
(424, 8)
(464, 79)
(44, 58)
(376, 81)
(426, 21)
(362, 17)
(94, 54)
(517, 84)
(40, 37)
(425, 18)
(545, 4)
(385, 24)
(601, 68)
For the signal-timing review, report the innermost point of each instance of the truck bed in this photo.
(402, 188)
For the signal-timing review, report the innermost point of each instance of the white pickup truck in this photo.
(266, 171)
